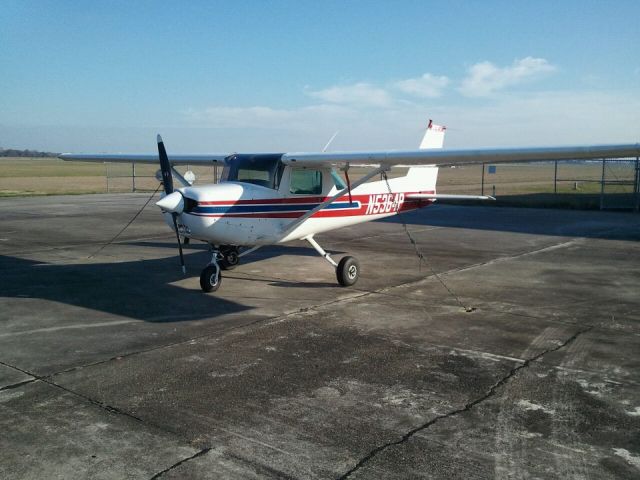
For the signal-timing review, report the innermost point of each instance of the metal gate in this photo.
(620, 185)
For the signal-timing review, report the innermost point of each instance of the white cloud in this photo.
(584, 117)
(428, 85)
(378, 117)
(485, 78)
(359, 94)
(510, 119)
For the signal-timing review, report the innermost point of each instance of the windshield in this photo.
(264, 170)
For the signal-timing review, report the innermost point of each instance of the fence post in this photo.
(636, 187)
(133, 177)
(106, 174)
(215, 173)
(482, 181)
(555, 178)
(602, 186)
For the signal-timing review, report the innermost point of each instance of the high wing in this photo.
(212, 158)
(461, 157)
(394, 157)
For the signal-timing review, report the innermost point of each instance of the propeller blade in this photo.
(175, 224)
(170, 202)
(165, 167)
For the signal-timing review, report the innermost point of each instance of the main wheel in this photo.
(230, 259)
(209, 281)
(348, 271)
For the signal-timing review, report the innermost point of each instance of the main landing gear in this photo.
(347, 271)
(230, 257)
(225, 257)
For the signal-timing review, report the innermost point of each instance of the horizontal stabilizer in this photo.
(443, 196)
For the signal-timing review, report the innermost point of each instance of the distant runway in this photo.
(117, 366)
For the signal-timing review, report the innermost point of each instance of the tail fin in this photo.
(433, 137)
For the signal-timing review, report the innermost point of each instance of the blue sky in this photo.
(283, 76)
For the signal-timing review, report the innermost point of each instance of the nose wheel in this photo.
(211, 276)
(210, 279)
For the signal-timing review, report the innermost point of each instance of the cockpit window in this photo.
(264, 170)
(305, 182)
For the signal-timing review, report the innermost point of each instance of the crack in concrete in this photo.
(266, 320)
(490, 393)
(46, 380)
(184, 460)
(270, 320)
(361, 293)
(16, 385)
(261, 468)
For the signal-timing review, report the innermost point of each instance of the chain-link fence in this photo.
(603, 184)
(597, 184)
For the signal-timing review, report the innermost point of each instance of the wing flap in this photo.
(444, 196)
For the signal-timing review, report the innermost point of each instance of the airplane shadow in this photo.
(139, 289)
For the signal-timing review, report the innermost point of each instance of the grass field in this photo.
(578, 184)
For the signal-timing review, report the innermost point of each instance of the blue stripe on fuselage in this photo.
(292, 207)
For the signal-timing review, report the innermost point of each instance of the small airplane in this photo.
(274, 198)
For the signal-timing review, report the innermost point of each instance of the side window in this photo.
(305, 181)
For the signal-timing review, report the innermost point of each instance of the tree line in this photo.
(12, 152)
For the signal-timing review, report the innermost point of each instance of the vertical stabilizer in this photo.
(433, 137)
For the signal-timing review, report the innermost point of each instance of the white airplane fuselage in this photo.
(245, 214)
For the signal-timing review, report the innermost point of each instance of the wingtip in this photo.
(159, 138)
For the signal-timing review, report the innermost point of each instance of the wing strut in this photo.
(346, 176)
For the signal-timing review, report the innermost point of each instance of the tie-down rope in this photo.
(422, 258)
(127, 225)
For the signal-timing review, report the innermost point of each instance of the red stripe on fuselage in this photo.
(277, 201)
(407, 205)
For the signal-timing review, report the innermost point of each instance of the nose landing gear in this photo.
(224, 257)
(211, 278)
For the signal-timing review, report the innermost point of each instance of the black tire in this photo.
(348, 271)
(186, 240)
(208, 281)
(229, 260)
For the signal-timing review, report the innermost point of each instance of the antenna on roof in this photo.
(330, 140)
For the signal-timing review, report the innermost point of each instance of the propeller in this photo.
(171, 203)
